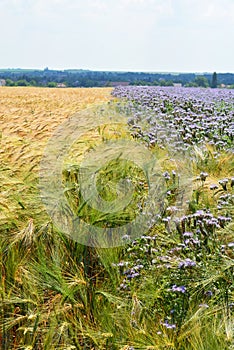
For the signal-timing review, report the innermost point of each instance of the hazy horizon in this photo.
(116, 70)
(127, 35)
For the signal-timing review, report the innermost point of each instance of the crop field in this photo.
(28, 117)
(170, 284)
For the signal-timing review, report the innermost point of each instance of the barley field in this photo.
(28, 117)
(170, 288)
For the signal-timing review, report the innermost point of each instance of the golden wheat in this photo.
(28, 117)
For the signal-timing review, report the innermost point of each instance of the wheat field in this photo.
(28, 117)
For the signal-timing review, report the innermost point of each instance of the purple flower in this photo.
(166, 175)
(208, 293)
(186, 263)
(168, 325)
(213, 187)
(223, 183)
(188, 234)
(203, 176)
(180, 289)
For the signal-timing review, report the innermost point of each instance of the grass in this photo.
(58, 294)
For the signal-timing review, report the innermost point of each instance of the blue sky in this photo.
(125, 35)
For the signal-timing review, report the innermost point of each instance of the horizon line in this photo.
(118, 71)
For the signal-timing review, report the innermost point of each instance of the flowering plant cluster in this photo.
(181, 252)
(180, 116)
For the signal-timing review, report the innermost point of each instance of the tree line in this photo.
(86, 78)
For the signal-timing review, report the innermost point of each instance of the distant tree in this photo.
(22, 82)
(143, 82)
(52, 84)
(191, 84)
(169, 83)
(33, 82)
(108, 84)
(10, 82)
(76, 83)
(214, 81)
(162, 82)
(79, 77)
(202, 81)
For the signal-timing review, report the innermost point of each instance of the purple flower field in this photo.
(182, 116)
(187, 259)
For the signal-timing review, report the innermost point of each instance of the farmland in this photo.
(27, 120)
(171, 287)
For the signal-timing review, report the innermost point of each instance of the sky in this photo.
(118, 35)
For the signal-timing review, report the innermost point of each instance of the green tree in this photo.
(214, 81)
(169, 83)
(52, 84)
(191, 84)
(108, 84)
(33, 82)
(22, 82)
(162, 82)
(10, 82)
(201, 81)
